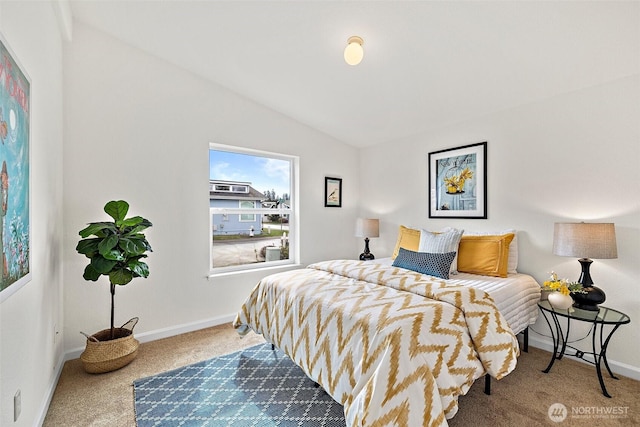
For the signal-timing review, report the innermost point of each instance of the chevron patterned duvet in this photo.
(393, 348)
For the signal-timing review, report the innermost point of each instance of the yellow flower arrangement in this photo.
(562, 285)
(455, 183)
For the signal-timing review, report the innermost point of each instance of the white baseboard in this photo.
(623, 369)
(166, 332)
(49, 395)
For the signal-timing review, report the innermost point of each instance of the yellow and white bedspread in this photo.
(392, 347)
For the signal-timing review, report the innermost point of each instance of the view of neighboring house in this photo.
(237, 195)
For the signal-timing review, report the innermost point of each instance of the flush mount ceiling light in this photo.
(353, 53)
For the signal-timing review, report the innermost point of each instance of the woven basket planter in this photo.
(105, 355)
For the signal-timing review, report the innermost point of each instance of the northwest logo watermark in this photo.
(558, 412)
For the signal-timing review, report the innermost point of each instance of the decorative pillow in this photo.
(408, 238)
(441, 243)
(437, 265)
(512, 266)
(485, 255)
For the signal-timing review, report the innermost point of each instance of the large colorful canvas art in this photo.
(15, 230)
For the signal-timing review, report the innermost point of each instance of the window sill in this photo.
(269, 269)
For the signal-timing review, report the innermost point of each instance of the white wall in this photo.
(570, 158)
(29, 356)
(138, 128)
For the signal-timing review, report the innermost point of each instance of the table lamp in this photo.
(367, 228)
(586, 241)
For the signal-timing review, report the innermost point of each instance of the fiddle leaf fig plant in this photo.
(115, 248)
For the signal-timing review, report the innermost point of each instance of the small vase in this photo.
(560, 301)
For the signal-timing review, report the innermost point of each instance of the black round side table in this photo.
(598, 319)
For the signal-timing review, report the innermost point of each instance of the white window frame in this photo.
(291, 212)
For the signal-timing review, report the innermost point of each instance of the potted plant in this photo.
(115, 249)
(560, 290)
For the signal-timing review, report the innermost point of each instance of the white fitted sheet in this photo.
(516, 295)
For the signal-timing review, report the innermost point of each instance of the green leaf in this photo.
(133, 246)
(88, 247)
(107, 244)
(139, 268)
(114, 255)
(120, 276)
(117, 209)
(99, 229)
(90, 273)
(130, 222)
(102, 265)
(143, 225)
(144, 242)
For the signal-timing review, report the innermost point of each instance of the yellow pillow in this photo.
(485, 255)
(408, 238)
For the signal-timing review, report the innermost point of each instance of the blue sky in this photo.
(263, 173)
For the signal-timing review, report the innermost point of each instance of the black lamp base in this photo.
(594, 295)
(590, 300)
(366, 255)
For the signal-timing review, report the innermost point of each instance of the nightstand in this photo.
(598, 319)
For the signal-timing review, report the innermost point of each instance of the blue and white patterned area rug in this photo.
(253, 387)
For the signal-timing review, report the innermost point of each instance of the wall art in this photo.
(15, 191)
(458, 182)
(332, 192)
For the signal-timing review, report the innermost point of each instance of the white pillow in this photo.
(512, 264)
(442, 242)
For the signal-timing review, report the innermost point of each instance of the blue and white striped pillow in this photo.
(440, 243)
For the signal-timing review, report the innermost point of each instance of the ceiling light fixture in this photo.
(353, 53)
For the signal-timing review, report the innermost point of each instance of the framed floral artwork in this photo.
(332, 192)
(458, 182)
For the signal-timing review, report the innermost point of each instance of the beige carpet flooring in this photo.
(521, 399)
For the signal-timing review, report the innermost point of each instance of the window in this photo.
(247, 217)
(251, 208)
(240, 189)
(215, 185)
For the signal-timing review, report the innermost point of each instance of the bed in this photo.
(516, 296)
(393, 345)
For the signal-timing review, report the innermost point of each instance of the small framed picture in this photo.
(458, 182)
(332, 192)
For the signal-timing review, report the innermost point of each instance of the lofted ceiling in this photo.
(427, 64)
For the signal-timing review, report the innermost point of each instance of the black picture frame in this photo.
(458, 182)
(332, 192)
